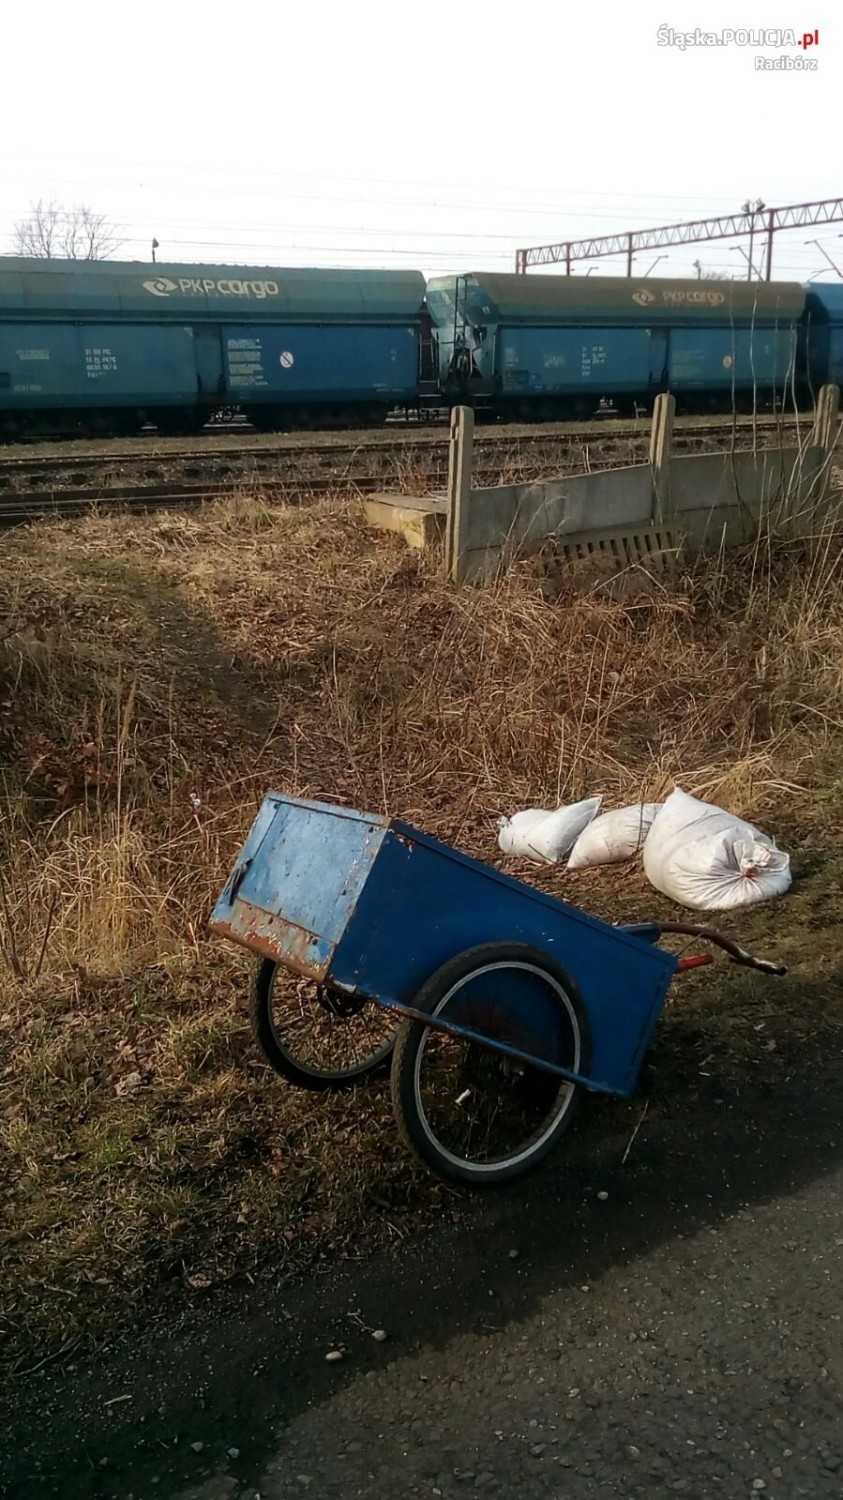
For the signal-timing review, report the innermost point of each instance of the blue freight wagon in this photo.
(107, 346)
(821, 336)
(554, 346)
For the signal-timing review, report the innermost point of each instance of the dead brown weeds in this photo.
(159, 675)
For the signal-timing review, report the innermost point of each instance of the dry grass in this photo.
(159, 675)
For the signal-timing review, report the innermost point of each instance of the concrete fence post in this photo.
(661, 442)
(460, 458)
(825, 422)
(824, 435)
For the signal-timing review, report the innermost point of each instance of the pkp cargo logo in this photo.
(161, 287)
(681, 297)
(695, 298)
(225, 286)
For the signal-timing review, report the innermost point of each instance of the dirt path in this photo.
(681, 1335)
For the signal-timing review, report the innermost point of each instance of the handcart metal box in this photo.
(497, 1004)
(372, 906)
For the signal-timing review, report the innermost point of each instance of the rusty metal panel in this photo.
(297, 881)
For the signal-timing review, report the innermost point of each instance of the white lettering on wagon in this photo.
(225, 286)
(673, 298)
(708, 299)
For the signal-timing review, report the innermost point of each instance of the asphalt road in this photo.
(671, 1324)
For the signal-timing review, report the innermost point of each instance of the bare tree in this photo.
(38, 235)
(75, 233)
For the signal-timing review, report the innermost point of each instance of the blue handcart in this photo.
(497, 1004)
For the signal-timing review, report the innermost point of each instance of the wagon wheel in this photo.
(472, 1114)
(314, 1036)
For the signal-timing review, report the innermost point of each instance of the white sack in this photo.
(546, 836)
(613, 836)
(704, 857)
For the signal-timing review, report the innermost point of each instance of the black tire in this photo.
(364, 1031)
(570, 1048)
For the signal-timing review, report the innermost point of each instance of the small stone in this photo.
(513, 1254)
(304, 1479)
(128, 1085)
(103, 1463)
(334, 1357)
(197, 1447)
(574, 1393)
(777, 1472)
(234, 1452)
(379, 1335)
(585, 1288)
(633, 1451)
(603, 1197)
(759, 1484)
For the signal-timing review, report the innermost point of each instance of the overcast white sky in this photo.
(439, 136)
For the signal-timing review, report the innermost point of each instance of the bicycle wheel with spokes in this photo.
(316, 1037)
(471, 1113)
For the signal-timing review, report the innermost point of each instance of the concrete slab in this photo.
(420, 520)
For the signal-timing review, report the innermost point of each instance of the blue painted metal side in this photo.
(821, 336)
(833, 368)
(423, 903)
(298, 362)
(377, 908)
(50, 365)
(825, 299)
(103, 364)
(563, 361)
(711, 358)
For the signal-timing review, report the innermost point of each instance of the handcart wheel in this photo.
(313, 1036)
(473, 1114)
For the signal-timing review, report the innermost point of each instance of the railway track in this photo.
(243, 438)
(71, 484)
(154, 465)
(17, 509)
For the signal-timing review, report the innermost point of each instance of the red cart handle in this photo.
(694, 961)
